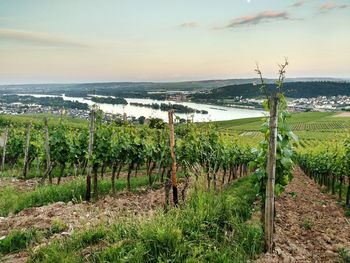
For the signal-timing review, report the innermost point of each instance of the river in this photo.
(215, 113)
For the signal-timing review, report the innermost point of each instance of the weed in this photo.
(293, 194)
(344, 255)
(347, 212)
(306, 224)
(57, 226)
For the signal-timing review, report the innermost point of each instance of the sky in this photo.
(65, 41)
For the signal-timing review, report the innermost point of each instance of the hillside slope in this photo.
(291, 89)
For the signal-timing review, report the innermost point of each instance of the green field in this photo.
(312, 128)
(308, 121)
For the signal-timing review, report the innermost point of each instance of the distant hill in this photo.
(295, 87)
(144, 86)
(291, 89)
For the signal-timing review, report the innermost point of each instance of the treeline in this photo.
(109, 100)
(166, 107)
(291, 89)
(53, 102)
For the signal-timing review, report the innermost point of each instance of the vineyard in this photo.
(139, 131)
(123, 158)
(322, 150)
(120, 148)
(328, 165)
(51, 161)
(299, 122)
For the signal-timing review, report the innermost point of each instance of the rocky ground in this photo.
(29, 184)
(310, 225)
(19, 184)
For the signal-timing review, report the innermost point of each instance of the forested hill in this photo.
(291, 89)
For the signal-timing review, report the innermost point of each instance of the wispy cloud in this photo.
(328, 6)
(262, 17)
(3, 19)
(40, 39)
(190, 24)
(298, 4)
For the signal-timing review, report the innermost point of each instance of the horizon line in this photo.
(166, 82)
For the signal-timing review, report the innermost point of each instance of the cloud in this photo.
(298, 4)
(328, 6)
(189, 25)
(40, 39)
(262, 17)
(4, 19)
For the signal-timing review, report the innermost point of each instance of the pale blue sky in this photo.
(170, 40)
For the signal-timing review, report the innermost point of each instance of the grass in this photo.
(306, 224)
(18, 240)
(211, 227)
(12, 201)
(344, 255)
(57, 226)
(347, 212)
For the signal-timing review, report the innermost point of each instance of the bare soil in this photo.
(106, 210)
(343, 114)
(30, 184)
(19, 184)
(310, 225)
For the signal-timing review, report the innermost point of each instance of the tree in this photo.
(156, 123)
(141, 120)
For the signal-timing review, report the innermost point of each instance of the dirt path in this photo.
(342, 114)
(310, 226)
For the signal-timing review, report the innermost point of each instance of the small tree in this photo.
(274, 162)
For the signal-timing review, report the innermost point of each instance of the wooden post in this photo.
(91, 143)
(271, 174)
(47, 149)
(125, 118)
(26, 151)
(4, 150)
(37, 166)
(173, 167)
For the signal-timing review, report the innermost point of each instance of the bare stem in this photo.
(263, 85)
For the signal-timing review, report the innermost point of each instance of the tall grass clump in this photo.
(17, 240)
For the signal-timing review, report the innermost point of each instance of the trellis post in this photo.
(271, 175)
(173, 157)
